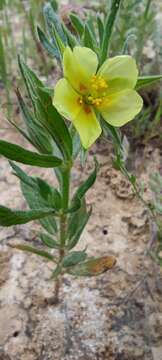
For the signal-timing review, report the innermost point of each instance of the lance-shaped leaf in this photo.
(144, 81)
(37, 135)
(77, 24)
(73, 258)
(10, 217)
(54, 123)
(49, 241)
(71, 39)
(54, 27)
(34, 250)
(30, 79)
(109, 25)
(113, 132)
(48, 46)
(47, 116)
(19, 154)
(100, 28)
(22, 132)
(77, 223)
(52, 19)
(38, 194)
(93, 267)
(89, 40)
(87, 184)
(59, 42)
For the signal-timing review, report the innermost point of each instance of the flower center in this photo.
(97, 92)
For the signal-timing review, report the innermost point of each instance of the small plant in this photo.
(97, 95)
(156, 203)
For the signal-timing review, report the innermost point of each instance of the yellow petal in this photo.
(66, 100)
(121, 107)
(87, 126)
(120, 73)
(79, 65)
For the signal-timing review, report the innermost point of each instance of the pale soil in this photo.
(117, 316)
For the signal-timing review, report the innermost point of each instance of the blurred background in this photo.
(137, 32)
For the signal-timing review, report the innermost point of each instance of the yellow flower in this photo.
(86, 91)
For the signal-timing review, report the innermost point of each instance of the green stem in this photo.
(65, 204)
(109, 25)
(65, 189)
(147, 9)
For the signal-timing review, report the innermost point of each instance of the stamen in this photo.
(97, 102)
(98, 87)
(80, 101)
(98, 83)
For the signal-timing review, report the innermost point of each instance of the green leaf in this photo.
(71, 39)
(52, 19)
(54, 123)
(73, 258)
(59, 42)
(31, 81)
(38, 136)
(113, 132)
(77, 24)
(55, 199)
(93, 266)
(49, 241)
(87, 184)
(54, 26)
(54, 4)
(34, 250)
(48, 46)
(75, 205)
(38, 195)
(76, 142)
(2, 4)
(100, 28)
(144, 81)
(47, 115)
(109, 25)
(89, 40)
(22, 132)
(10, 217)
(17, 153)
(76, 226)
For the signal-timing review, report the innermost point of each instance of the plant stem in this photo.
(58, 281)
(65, 204)
(63, 225)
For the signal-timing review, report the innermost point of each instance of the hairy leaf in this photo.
(19, 154)
(144, 81)
(10, 217)
(34, 250)
(93, 267)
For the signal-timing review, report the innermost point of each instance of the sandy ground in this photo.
(116, 316)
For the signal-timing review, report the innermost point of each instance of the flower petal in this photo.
(120, 73)
(121, 107)
(66, 100)
(79, 65)
(87, 126)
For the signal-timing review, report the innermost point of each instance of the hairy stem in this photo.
(63, 225)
